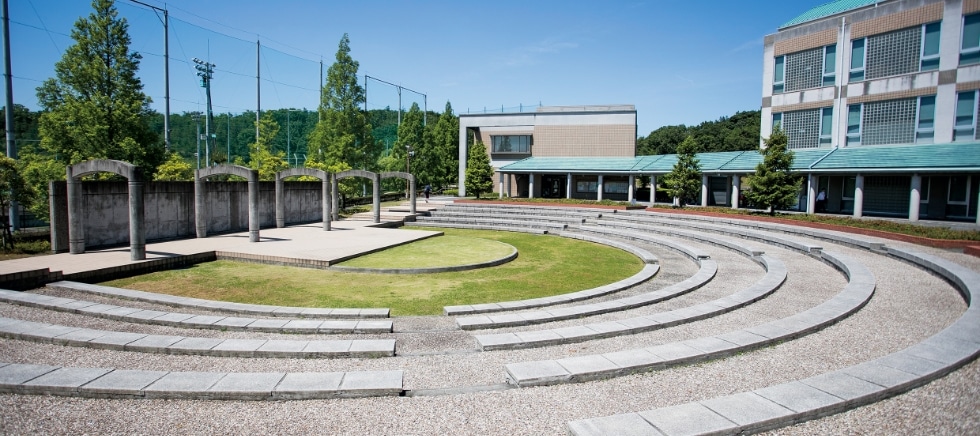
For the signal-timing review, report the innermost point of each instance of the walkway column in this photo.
(280, 203)
(76, 228)
(858, 196)
(508, 177)
(413, 198)
(736, 190)
(377, 198)
(704, 191)
(57, 203)
(200, 214)
(811, 193)
(327, 199)
(253, 207)
(598, 189)
(137, 232)
(501, 183)
(653, 188)
(568, 186)
(632, 188)
(915, 197)
(336, 198)
(530, 185)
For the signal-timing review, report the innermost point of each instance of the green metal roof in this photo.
(910, 158)
(828, 9)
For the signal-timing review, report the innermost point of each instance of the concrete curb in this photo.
(439, 269)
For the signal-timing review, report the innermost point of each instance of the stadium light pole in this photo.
(206, 71)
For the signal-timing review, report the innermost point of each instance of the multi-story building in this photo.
(882, 74)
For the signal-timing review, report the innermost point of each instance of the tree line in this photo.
(95, 108)
(739, 132)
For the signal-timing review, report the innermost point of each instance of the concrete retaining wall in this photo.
(169, 209)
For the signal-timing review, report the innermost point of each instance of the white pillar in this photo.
(507, 182)
(501, 189)
(736, 189)
(632, 182)
(811, 193)
(704, 191)
(568, 186)
(915, 197)
(653, 188)
(598, 191)
(978, 207)
(530, 185)
(858, 196)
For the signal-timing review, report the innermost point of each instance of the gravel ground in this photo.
(908, 306)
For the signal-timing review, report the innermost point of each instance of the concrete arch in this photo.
(376, 188)
(200, 214)
(76, 228)
(311, 172)
(411, 185)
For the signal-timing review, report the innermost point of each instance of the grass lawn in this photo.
(435, 252)
(546, 265)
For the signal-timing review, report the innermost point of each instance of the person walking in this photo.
(821, 201)
(427, 191)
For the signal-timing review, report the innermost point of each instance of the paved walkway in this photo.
(347, 238)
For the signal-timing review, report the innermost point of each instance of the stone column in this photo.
(58, 210)
(414, 197)
(377, 197)
(509, 177)
(336, 197)
(253, 207)
(915, 197)
(811, 193)
(568, 186)
(598, 189)
(632, 188)
(200, 214)
(704, 191)
(530, 185)
(500, 181)
(280, 203)
(326, 199)
(736, 190)
(858, 196)
(76, 226)
(653, 188)
(137, 230)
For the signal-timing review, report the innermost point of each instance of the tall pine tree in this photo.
(479, 173)
(773, 185)
(342, 138)
(684, 181)
(439, 160)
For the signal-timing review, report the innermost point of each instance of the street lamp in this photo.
(409, 152)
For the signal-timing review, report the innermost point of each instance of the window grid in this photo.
(889, 122)
(802, 128)
(893, 53)
(804, 70)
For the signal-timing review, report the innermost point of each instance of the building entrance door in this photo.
(553, 186)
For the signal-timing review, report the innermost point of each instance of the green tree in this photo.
(343, 135)
(174, 169)
(662, 141)
(261, 156)
(94, 107)
(479, 173)
(439, 160)
(773, 185)
(684, 181)
(12, 188)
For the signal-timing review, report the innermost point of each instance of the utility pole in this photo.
(9, 113)
(166, 72)
(197, 118)
(206, 71)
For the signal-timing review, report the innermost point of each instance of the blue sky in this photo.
(678, 62)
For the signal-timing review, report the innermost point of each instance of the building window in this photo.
(925, 129)
(826, 126)
(857, 60)
(586, 186)
(893, 53)
(777, 121)
(959, 190)
(517, 144)
(616, 187)
(966, 120)
(929, 58)
(829, 64)
(854, 124)
(779, 75)
(807, 69)
(970, 46)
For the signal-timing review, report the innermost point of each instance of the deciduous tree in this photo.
(261, 156)
(12, 188)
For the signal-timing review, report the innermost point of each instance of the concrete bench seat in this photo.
(776, 273)
(221, 306)
(499, 228)
(163, 344)
(185, 320)
(649, 271)
(518, 209)
(857, 292)
(823, 394)
(549, 225)
(173, 385)
(706, 272)
(452, 214)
